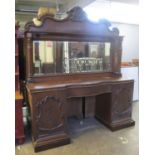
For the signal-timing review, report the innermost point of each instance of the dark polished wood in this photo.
(89, 108)
(55, 97)
(113, 103)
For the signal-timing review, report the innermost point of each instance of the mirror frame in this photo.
(75, 27)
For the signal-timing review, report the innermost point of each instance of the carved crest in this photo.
(77, 14)
(50, 24)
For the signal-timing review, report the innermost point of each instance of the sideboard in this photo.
(73, 68)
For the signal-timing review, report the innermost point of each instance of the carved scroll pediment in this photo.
(47, 22)
(75, 14)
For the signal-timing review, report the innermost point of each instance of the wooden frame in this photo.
(76, 27)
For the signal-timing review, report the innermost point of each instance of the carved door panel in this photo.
(122, 101)
(50, 115)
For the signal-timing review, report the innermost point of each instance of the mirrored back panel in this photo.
(70, 57)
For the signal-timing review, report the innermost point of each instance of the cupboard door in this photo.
(122, 102)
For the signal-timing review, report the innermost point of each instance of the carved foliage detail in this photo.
(50, 114)
(115, 31)
(77, 14)
(122, 101)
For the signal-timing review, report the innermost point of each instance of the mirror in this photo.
(70, 57)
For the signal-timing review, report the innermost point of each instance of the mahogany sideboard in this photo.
(73, 68)
(49, 107)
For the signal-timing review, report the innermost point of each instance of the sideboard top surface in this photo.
(75, 83)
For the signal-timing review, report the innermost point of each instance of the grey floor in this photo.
(92, 138)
